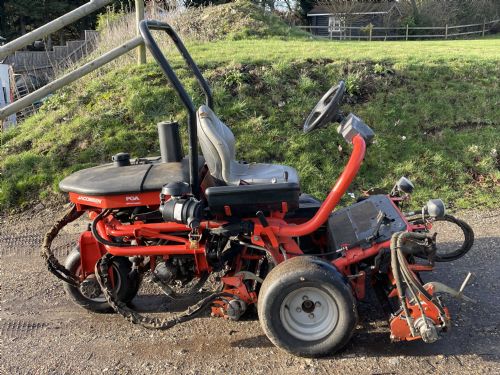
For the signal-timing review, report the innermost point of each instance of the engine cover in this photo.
(358, 224)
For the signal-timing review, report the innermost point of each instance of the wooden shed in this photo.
(333, 23)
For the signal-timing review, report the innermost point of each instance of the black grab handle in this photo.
(145, 28)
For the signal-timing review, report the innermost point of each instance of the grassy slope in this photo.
(442, 97)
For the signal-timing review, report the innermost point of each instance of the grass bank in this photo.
(433, 105)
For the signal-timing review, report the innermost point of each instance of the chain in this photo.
(102, 268)
(46, 253)
(171, 293)
(102, 275)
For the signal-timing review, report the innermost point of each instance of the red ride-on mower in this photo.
(301, 263)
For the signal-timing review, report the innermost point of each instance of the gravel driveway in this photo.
(44, 333)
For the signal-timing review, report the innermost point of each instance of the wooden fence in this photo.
(371, 32)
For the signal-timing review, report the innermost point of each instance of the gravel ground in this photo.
(42, 332)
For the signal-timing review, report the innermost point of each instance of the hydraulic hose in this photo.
(401, 271)
(99, 238)
(464, 227)
(401, 238)
(397, 279)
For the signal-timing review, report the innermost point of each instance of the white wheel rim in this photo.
(309, 313)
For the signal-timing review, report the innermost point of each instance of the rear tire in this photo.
(127, 286)
(306, 308)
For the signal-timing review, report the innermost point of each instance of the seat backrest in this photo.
(217, 143)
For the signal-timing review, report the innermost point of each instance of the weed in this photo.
(353, 84)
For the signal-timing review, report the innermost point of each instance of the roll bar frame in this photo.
(145, 28)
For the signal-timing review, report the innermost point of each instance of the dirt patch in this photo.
(460, 126)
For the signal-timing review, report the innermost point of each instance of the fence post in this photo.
(371, 29)
(139, 16)
(484, 26)
(446, 32)
(406, 32)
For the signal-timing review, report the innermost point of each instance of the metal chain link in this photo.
(101, 271)
(46, 253)
(171, 293)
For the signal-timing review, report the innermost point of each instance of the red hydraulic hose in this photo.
(345, 179)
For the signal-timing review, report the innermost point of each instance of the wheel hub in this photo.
(308, 306)
(309, 313)
(90, 288)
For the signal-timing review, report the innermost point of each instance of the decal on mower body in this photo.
(132, 198)
(151, 198)
(89, 199)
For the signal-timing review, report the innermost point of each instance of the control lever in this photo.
(464, 284)
(440, 287)
(380, 219)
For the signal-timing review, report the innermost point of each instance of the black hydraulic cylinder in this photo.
(170, 141)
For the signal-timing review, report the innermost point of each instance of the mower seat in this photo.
(218, 147)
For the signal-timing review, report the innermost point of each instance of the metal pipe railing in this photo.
(70, 77)
(52, 27)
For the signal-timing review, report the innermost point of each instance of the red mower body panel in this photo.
(151, 198)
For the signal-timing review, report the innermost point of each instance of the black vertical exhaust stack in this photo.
(170, 141)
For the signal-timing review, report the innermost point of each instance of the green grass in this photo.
(433, 105)
(272, 50)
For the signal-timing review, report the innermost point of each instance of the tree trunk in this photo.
(22, 25)
(414, 7)
(3, 21)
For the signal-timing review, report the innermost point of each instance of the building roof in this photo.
(372, 9)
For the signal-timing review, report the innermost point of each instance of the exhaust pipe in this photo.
(170, 141)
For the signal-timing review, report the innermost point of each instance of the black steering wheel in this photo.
(327, 108)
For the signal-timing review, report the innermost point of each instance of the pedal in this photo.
(462, 287)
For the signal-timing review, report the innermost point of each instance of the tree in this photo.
(439, 13)
(20, 15)
(306, 6)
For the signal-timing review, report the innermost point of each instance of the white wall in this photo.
(6, 94)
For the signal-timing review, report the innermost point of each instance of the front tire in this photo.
(126, 287)
(306, 308)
